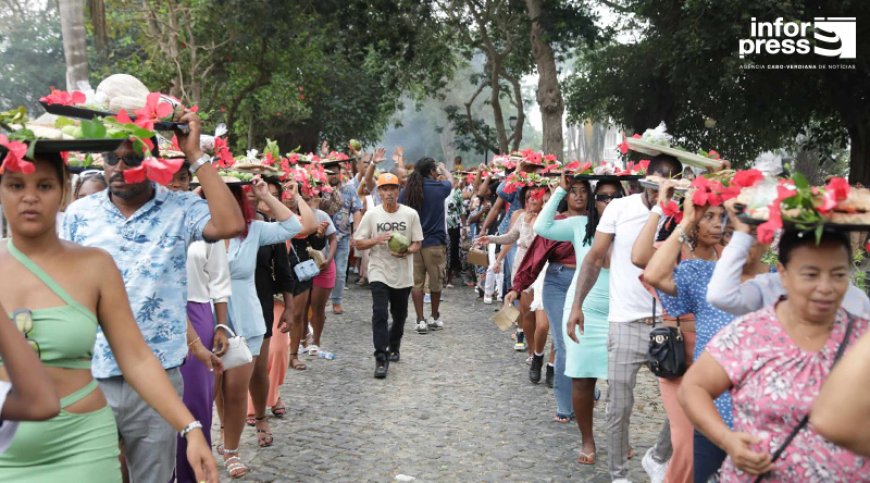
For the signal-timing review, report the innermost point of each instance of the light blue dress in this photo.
(588, 359)
(245, 313)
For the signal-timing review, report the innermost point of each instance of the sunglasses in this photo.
(607, 198)
(23, 319)
(131, 160)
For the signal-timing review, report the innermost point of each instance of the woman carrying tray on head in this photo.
(66, 293)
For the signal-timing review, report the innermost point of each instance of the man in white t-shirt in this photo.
(631, 318)
(391, 275)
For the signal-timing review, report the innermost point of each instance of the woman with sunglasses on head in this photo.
(89, 182)
(70, 292)
(585, 353)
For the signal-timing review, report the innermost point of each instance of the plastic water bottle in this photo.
(326, 355)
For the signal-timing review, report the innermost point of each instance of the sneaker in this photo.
(535, 370)
(621, 480)
(436, 324)
(551, 375)
(427, 299)
(655, 470)
(313, 350)
(381, 366)
(487, 299)
(520, 345)
(394, 356)
(422, 327)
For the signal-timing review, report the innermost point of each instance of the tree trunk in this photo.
(72, 26)
(859, 167)
(549, 93)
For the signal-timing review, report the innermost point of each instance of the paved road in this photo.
(458, 407)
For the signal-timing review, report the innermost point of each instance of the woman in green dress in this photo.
(586, 353)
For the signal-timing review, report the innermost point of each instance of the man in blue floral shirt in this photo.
(348, 212)
(147, 229)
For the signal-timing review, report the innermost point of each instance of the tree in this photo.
(498, 30)
(31, 52)
(72, 25)
(689, 75)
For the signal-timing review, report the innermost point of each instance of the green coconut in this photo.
(355, 144)
(399, 243)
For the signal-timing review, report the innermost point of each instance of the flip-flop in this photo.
(296, 364)
(563, 419)
(586, 458)
(279, 411)
(250, 421)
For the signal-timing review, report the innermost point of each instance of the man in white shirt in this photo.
(631, 318)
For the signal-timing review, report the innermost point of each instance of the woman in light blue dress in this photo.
(245, 312)
(586, 360)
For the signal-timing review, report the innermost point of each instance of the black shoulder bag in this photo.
(802, 424)
(666, 356)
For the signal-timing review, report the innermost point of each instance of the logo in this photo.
(394, 226)
(825, 36)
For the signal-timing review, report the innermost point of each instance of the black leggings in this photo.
(454, 263)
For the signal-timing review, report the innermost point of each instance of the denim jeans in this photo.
(556, 284)
(342, 252)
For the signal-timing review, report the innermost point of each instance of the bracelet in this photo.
(683, 238)
(190, 427)
(194, 341)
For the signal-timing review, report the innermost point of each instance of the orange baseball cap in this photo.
(387, 179)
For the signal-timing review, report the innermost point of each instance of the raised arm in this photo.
(226, 217)
(841, 413)
(725, 292)
(642, 250)
(547, 226)
(660, 271)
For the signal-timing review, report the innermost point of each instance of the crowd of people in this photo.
(141, 309)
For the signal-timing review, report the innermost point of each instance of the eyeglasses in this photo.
(607, 198)
(23, 319)
(131, 160)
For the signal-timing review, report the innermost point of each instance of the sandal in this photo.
(586, 458)
(264, 436)
(563, 419)
(234, 464)
(296, 364)
(220, 446)
(278, 409)
(250, 421)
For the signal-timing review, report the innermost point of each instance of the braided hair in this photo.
(414, 188)
(592, 216)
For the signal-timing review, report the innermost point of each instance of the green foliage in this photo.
(858, 275)
(31, 53)
(684, 70)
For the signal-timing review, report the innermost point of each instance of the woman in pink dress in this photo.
(774, 362)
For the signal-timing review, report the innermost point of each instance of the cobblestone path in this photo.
(458, 407)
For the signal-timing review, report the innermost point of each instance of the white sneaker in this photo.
(487, 299)
(436, 324)
(422, 327)
(621, 480)
(653, 468)
(313, 350)
(427, 299)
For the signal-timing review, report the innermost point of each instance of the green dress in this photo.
(588, 359)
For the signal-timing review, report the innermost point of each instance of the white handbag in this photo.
(237, 353)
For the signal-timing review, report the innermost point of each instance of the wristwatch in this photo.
(194, 166)
(190, 427)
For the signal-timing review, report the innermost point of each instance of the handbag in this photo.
(478, 257)
(238, 353)
(666, 356)
(306, 270)
(803, 423)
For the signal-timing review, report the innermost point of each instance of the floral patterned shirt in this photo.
(150, 249)
(454, 209)
(774, 383)
(350, 204)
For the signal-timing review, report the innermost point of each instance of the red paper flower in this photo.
(155, 169)
(840, 188)
(64, 98)
(747, 178)
(623, 146)
(712, 154)
(268, 160)
(767, 230)
(707, 192)
(14, 160)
